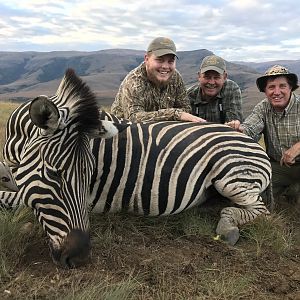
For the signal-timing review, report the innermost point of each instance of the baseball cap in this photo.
(276, 71)
(161, 46)
(213, 62)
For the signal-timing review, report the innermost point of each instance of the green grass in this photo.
(270, 232)
(16, 231)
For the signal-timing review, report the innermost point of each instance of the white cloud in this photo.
(238, 30)
(245, 4)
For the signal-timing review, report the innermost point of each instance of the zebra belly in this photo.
(146, 202)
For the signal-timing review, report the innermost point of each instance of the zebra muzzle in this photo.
(75, 250)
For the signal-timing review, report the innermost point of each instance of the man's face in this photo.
(211, 83)
(160, 68)
(278, 92)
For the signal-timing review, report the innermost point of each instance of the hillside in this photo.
(25, 75)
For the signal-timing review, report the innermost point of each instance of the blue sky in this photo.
(246, 30)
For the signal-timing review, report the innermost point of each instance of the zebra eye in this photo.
(5, 179)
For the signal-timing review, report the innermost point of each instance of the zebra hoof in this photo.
(228, 231)
(232, 236)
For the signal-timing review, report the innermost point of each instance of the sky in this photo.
(237, 30)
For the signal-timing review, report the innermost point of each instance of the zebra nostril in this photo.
(75, 249)
(66, 262)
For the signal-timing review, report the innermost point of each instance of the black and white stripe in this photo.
(52, 164)
(149, 169)
(166, 167)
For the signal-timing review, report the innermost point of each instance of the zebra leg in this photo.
(232, 217)
(6, 177)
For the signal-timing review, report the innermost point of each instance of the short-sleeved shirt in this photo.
(139, 100)
(281, 130)
(225, 107)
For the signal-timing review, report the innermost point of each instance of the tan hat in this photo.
(213, 62)
(161, 46)
(276, 71)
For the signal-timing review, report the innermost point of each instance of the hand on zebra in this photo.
(235, 124)
(191, 118)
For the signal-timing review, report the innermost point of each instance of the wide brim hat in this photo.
(276, 71)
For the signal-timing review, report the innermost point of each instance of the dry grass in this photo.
(16, 229)
(6, 109)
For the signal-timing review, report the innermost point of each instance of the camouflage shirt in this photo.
(281, 130)
(227, 106)
(139, 100)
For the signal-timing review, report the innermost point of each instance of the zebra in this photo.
(47, 151)
(68, 158)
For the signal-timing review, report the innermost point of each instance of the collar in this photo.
(291, 103)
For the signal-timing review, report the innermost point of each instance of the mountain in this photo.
(261, 67)
(25, 75)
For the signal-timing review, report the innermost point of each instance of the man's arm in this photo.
(116, 107)
(253, 125)
(134, 107)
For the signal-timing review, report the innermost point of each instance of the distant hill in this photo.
(25, 75)
(261, 67)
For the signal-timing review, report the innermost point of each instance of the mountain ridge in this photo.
(24, 75)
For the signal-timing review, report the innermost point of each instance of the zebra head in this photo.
(57, 164)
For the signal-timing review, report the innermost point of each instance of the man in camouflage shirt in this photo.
(215, 98)
(154, 91)
(277, 117)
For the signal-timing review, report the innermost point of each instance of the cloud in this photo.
(249, 30)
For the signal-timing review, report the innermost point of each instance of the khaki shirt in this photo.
(139, 100)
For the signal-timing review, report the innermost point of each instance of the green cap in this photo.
(213, 62)
(161, 46)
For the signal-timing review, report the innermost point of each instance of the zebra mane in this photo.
(81, 101)
(104, 115)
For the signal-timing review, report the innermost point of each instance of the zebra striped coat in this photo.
(151, 169)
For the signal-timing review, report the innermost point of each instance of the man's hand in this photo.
(191, 118)
(235, 124)
(289, 156)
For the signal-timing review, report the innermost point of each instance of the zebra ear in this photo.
(109, 129)
(44, 114)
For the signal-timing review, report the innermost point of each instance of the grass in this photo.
(16, 229)
(272, 231)
(101, 288)
(225, 286)
(5, 111)
(168, 258)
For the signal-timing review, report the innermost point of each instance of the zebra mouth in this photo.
(74, 251)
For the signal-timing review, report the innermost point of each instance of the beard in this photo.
(159, 83)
